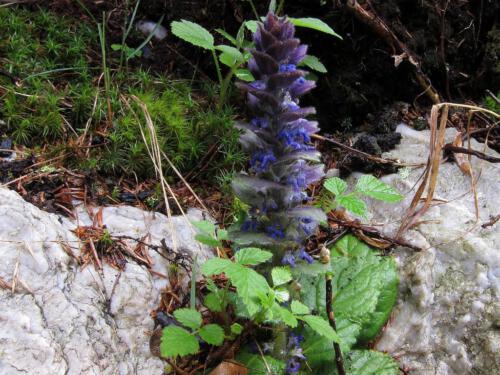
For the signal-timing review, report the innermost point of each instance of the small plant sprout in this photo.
(367, 186)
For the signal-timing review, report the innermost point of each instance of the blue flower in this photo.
(302, 254)
(295, 353)
(259, 85)
(287, 68)
(260, 122)
(292, 366)
(308, 225)
(295, 340)
(288, 259)
(274, 231)
(262, 160)
(249, 225)
(298, 182)
(292, 106)
(295, 138)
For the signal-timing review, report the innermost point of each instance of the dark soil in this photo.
(456, 43)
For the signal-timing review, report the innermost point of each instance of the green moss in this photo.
(61, 96)
(185, 131)
(35, 47)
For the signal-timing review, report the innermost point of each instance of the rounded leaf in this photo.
(176, 341)
(212, 334)
(193, 33)
(190, 318)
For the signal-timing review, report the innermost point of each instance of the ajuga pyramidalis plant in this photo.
(283, 162)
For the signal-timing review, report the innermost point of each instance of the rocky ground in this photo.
(446, 320)
(60, 318)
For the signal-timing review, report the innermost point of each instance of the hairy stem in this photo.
(280, 341)
(219, 76)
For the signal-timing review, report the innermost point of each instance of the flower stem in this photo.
(219, 76)
(280, 341)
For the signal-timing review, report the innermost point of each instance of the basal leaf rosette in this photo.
(283, 162)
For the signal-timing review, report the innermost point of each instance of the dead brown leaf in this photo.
(462, 161)
(229, 368)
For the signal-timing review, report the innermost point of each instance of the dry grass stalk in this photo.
(431, 173)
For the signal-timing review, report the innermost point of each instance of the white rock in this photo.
(70, 321)
(446, 319)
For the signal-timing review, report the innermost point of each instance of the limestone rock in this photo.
(64, 319)
(447, 318)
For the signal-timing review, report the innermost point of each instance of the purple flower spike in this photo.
(283, 160)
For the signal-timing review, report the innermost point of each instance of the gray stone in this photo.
(447, 318)
(64, 319)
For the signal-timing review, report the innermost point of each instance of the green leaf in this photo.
(352, 204)
(230, 50)
(285, 315)
(312, 292)
(315, 269)
(245, 75)
(313, 63)
(368, 362)
(373, 187)
(318, 351)
(227, 60)
(314, 23)
(259, 365)
(236, 55)
(386, 300)
(207, 240)
(365, 289)
(335, 185)
(204, 226)
(321, 327)
(251, 256)
(213, 302)
(193, 33)
(176, 341)
(240, 36)
(189, 318)
(299, 308)
(222, 234)
(251, 25)
(117, 47)
(282, 294)
(236, 328)
(215, 266)
(249, 284)
(227, 36)
(212, 334)
(281, 275)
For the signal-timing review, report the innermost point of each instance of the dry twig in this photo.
(339, 361)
